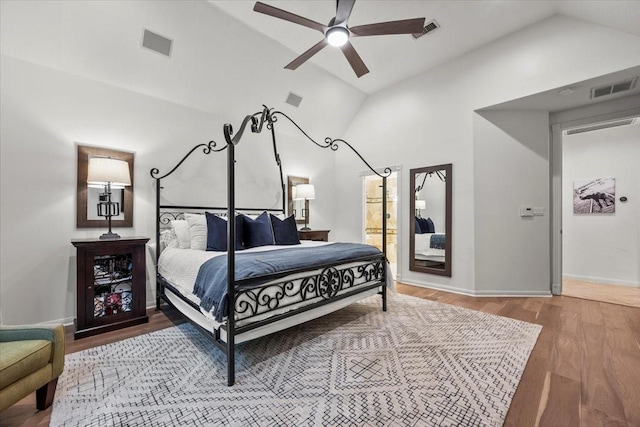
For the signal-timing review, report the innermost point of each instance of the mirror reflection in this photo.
(299, 208)
(97, 195)
(430, 207)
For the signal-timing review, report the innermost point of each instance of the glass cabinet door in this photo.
(112, 284)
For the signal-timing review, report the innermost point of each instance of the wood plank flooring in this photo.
(583, 371)
(615, 294)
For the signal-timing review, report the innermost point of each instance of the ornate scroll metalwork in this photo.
(166, 217)
(206, 149)
(440, 174)
(324, 285)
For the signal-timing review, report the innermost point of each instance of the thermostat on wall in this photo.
(526, 211)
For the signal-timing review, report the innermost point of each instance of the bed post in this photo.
(157, 242)
(384, 241)
(279, 163)
(231, 254)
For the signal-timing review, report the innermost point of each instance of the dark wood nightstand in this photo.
(317, 235)
(111, 284)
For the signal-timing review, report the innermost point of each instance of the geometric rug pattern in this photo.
(421, 363)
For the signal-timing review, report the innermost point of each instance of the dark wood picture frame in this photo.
(292, 181)
(414, 265)
(84, 152)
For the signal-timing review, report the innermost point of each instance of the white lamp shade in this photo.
(421, 204)
(103, 170)
(305, 191)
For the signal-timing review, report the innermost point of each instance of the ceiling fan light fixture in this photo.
(337, 36)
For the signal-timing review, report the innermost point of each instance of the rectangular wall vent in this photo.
(429, 28)
(599, 126)
(157, 43)
(294, 99)
(610, 89)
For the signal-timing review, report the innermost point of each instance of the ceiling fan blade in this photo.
(354, 59)
(405, 26)
(343, 11)
(305, 56)
(288, 16)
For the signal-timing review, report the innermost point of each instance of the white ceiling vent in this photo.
(157, 43)
(294, 99)
(599, 126)
(610, 89)
(429, 28)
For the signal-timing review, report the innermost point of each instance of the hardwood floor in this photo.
(615, 294)
(583, 371)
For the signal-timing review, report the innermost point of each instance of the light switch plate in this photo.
(538, 211)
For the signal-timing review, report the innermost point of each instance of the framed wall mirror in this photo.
(88, 198)
(298, 208)
(430, 219)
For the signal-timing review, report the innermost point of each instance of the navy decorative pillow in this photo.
(423, 225)
(285, 232)
(257, 232)
(430, 226)
(418, 226)
(217, 233)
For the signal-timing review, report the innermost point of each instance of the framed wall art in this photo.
(594, 196)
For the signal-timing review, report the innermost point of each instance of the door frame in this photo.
(559, 123)
(397, 169)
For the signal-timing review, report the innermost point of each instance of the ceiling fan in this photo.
(338, 33)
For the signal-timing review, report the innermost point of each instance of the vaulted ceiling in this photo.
(464, 25)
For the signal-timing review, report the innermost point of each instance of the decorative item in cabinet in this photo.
(111, 284)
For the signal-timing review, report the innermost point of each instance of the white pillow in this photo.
(197, 230)
(181, 228)
(168, 239)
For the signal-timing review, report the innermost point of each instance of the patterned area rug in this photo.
(421, 363)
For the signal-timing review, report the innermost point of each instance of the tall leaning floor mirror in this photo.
(430, 219)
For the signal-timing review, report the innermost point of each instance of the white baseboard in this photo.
(437, 287)
(603, 281)
(483, 293)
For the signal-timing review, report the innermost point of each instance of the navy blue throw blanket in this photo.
(211, 283)
(437, 241)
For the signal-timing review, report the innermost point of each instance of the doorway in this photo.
(600, 222)
(372, 185)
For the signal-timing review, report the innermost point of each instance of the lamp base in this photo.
(110, 236)
(305, 229)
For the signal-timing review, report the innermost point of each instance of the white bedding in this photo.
(423, 251)
(180, 268)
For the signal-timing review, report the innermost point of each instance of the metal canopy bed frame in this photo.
(323, 286)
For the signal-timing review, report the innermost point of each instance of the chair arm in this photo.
(53, 333)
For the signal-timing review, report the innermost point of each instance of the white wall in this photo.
(430, 119)
(511, 170)
(603, 248)
(74, 72)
